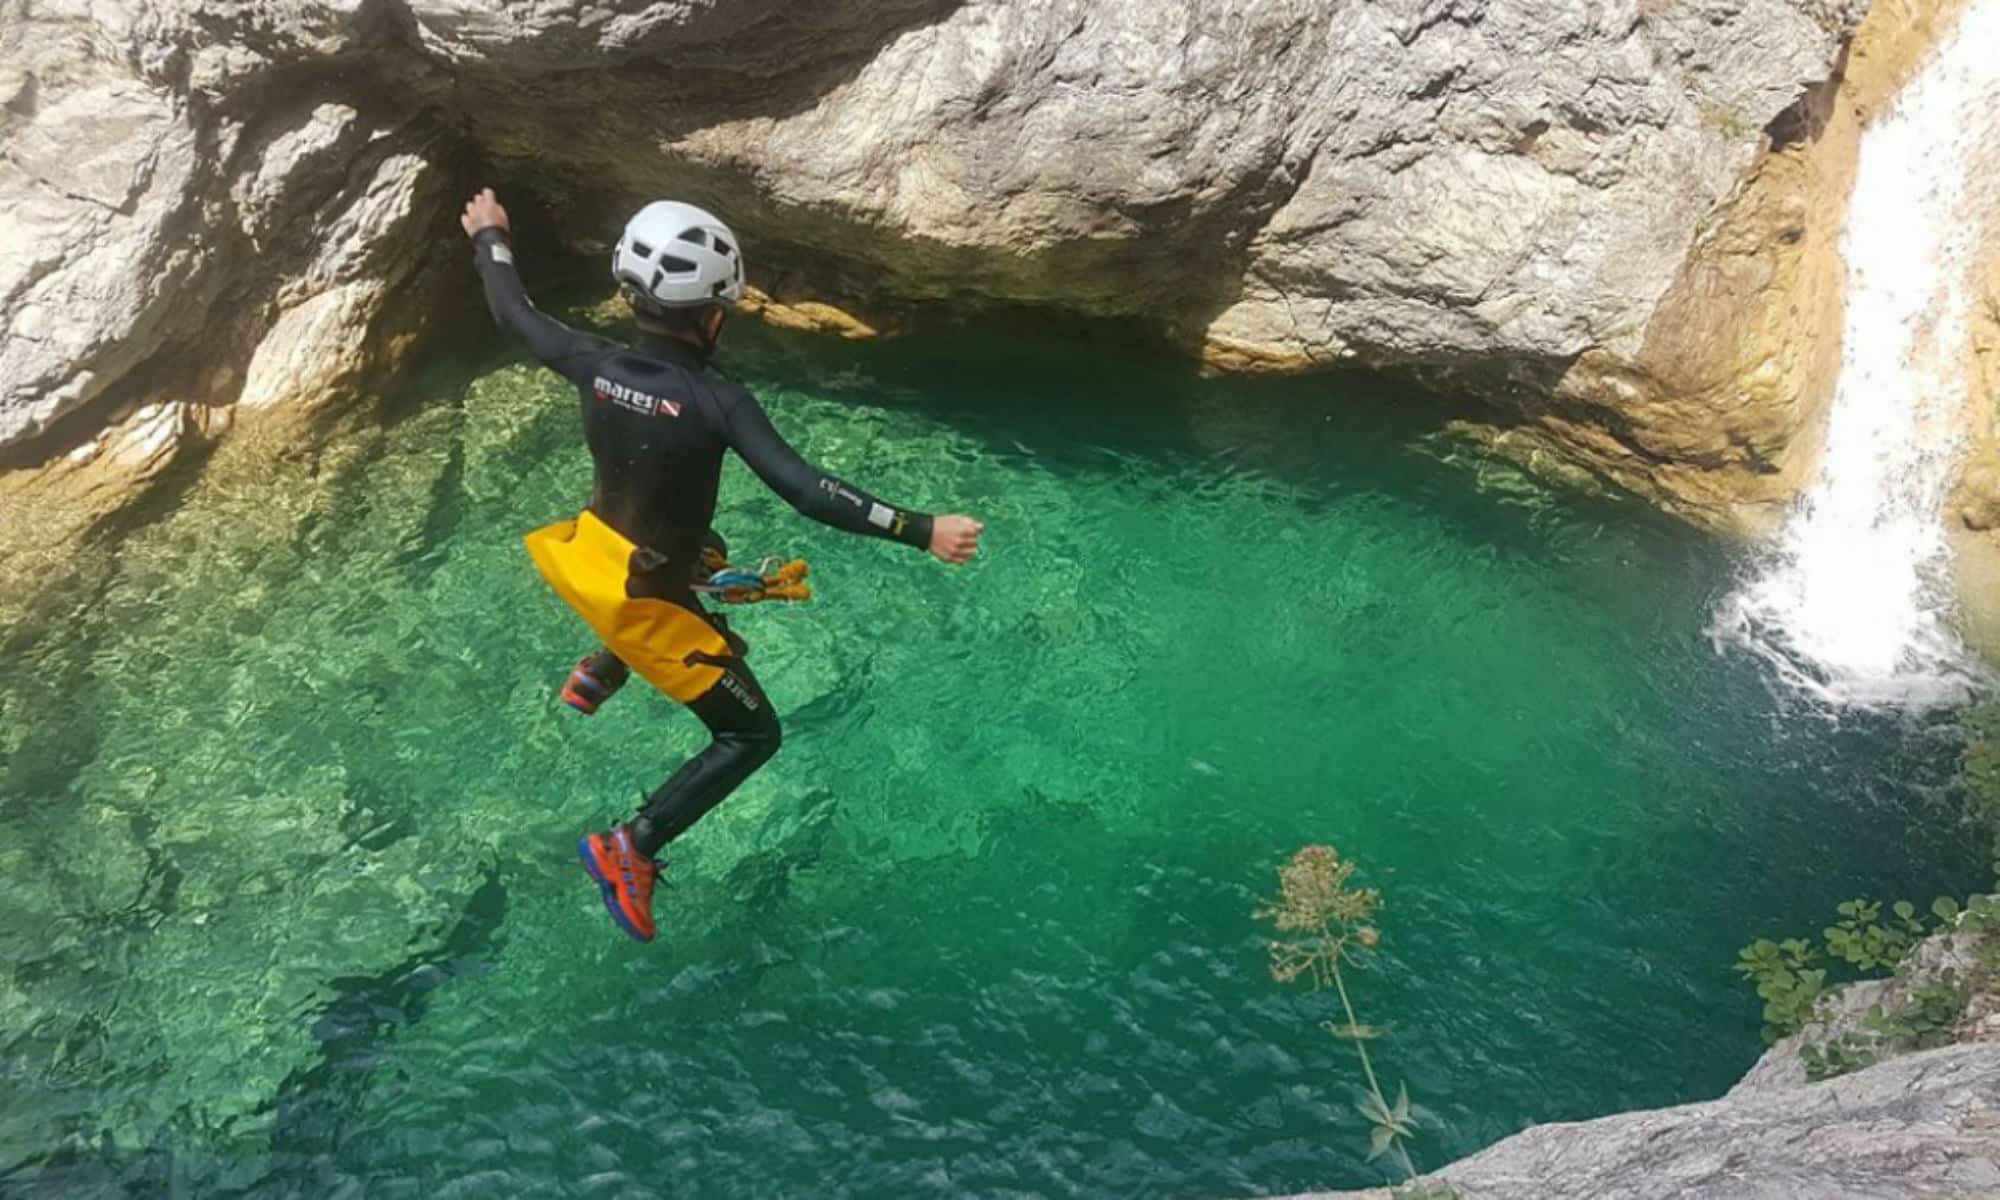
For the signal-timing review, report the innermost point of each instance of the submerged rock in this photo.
(217, 884)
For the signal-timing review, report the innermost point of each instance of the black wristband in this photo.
(487, 236)
(917, 530)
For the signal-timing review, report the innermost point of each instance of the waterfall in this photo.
(1853, 604)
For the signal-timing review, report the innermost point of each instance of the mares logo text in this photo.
(634, 399)
(734, 687)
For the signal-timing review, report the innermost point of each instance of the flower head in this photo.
(1316, 903)
(1313, 893)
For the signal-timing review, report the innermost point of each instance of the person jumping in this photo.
(657, 421)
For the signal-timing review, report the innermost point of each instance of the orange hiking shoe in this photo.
(593, 681)
(624, 876)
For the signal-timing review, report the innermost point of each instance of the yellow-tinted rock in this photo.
(810, 316)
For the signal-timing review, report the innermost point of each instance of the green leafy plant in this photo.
(1981, 919)
(1785, 980)
(1792, 987)
(1980, 916)
(1331, 927)
(1837, 1056)
(1862, 938)
(1725, 120)
(1979, 771)
(1928, 1016)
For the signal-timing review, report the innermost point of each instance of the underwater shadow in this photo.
(313, 1105)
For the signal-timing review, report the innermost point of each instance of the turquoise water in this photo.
(288, 809)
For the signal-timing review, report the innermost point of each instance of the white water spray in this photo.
(1853, 606)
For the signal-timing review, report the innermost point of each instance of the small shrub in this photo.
(1838, 1056)
(1791, 987)
(1927, 1018)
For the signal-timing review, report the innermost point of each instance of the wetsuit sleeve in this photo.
(549, 340)
(811, 491)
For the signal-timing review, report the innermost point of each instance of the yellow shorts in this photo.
(589, 564)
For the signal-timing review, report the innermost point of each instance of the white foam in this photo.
(1853, 604)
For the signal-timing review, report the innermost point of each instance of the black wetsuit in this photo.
(658, 421)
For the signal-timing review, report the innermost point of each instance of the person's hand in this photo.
(955, 539)
(482, 212)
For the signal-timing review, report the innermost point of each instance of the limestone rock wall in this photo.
(200, 206)
(1511, 197)
(211, 201)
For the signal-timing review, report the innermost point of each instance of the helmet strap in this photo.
(711, 328)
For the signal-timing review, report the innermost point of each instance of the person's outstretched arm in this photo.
(833, 501)
(554, 343)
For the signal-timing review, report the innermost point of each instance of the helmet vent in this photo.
(722, 248)
(679, 266)
(642, 250)
(696, 236)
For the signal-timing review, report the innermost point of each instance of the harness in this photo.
(772, 579)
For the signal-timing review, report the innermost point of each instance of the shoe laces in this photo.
(659, 865)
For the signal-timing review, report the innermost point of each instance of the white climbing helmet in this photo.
(675, 255)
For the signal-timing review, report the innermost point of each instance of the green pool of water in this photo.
(288, 808)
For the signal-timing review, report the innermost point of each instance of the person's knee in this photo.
(767, 738)
(756, 742)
